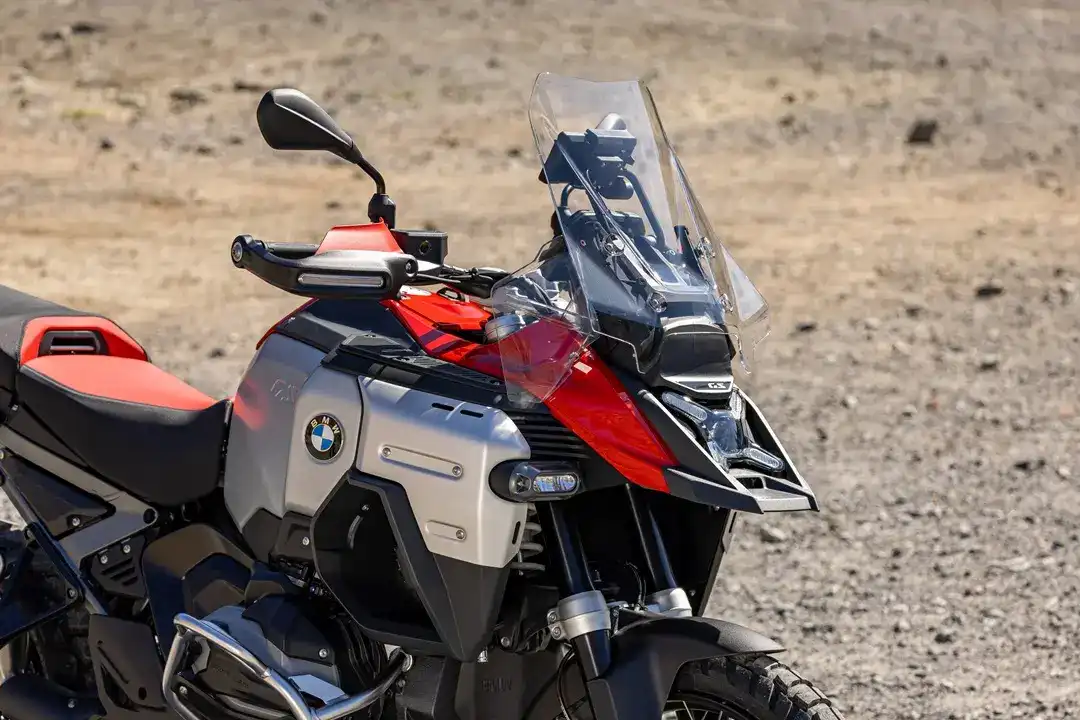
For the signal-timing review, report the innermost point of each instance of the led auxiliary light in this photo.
(544, 481)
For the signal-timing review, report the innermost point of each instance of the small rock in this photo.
(242, 85)
(913, 310)
(849, 401)
(105, 144)
(871, 323)
(942, 61)
(235, 140)
(203, 149)
(186, 98)
(989, 362)
(789, 98)
(909, 411)
(333, 205)
(806, 326)
(771, 535)
(1029, 464)
(989, 289)
(216, 353)
(514, 152)
(922, 132)
(901, 626)
(86, 27)
(317, 18)
(944, 636)
(58, 35)
(1064, 472)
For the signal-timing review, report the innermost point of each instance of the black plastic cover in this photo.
(127, 669)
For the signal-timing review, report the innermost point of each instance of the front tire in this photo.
(760, 688)
(739, 688)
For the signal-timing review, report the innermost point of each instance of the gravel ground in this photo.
(899, 176)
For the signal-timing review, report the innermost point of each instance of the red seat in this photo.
(130, 422)
(86, 391)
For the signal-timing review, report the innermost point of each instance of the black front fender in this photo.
(648, 654)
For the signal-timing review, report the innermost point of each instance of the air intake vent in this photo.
(548, 438)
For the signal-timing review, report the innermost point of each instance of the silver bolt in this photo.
(71, 593)
(482, 657)
(556, 632)
(103, 559)
(386, 452)
(76, 521)
(460, 534)
(305, 541)
(505, 642)
(552, 617)
(127, 549)
(71, 704)
(324, 653)
(2, 455)
(183, 690)
(456, 471)
(365, 508)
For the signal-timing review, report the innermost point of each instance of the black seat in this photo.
(87, 392)
(130, 422)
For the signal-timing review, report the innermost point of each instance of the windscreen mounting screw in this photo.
(75, 521)
(460, 534)
(456, 471)
(386, 452)
(324, 653)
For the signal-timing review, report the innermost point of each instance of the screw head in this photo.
(556, 632)
(365, 508)
(75, 521)
(552, 617)
(237, 251)
(71, 593)
(386, 452)
(456, 471)
(460, 534)
(324, 653)
(305, 541)
(71, 704)
(183, 690)
(505, 642)
(2, 455)
(127, 549)
(103, 559)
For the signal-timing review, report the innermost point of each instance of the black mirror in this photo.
(290, 120)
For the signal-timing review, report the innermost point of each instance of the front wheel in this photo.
(734, 688)
(740, 688)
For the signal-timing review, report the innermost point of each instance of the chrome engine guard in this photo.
(189, 628)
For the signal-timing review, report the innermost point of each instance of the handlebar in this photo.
(340, 274)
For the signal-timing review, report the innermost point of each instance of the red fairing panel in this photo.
(591, 402)
(375, 236)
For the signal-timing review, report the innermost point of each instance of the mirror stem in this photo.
(354, 156)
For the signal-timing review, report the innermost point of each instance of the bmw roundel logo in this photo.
(323, 437)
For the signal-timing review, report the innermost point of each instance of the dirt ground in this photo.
(926, 297)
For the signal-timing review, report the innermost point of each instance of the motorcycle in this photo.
(437, 492)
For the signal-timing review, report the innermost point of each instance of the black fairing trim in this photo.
(285, 625)
(430, 690)
(29, 697)
(127, 669)
(649, 655)
(260, 533)
(377, 565)
(57, 503)
(169, 569)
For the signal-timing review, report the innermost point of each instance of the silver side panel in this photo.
(310, 481)
(442, 458)
(263, 427)
(130, 515)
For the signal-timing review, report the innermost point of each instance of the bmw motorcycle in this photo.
(438, 493)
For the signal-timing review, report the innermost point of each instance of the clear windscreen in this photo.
(636, 254)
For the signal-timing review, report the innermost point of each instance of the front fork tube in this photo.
(582, 617)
